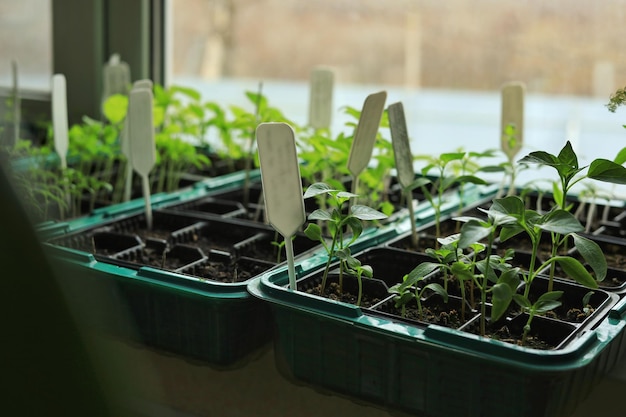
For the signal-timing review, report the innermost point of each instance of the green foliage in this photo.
(450, 169)
(340, 221)
(546, 302)
(410, 290)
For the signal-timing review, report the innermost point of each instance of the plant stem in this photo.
(483, 290)
(330, 259)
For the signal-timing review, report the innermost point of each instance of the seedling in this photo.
(501, 287)
(570, 173)
(546, 302)
(409, 289)
(559, 223)
(339, 221)
(443, 181)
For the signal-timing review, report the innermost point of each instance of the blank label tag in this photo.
(141, 131)
(512, 122)
(321, 99)
(59, 117)
(401, 145)
(116, 76)
(366, 130)
(280, 175)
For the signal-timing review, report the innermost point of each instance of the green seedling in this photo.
(509, 168)
(444, 181)
(570, 173)
(340, 222)
(546, 302)
(491, 274)
(409, 289)
(354, 266)
(559, 223)
(279, 244)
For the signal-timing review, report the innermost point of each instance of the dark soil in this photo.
(227, 272)
(333, 292)
(504, 332)
(433, 312)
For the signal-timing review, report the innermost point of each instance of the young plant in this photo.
(443, 181)
(409, 289)
(340, 222)
(559, 223)
(493, 275)
(546, 302)
(570, 173)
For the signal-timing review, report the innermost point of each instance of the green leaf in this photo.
(511, 206)
(115, 108)
(461, 270)
(560, 221)
(419, 182)
(420, 271)
(471, 179)
(366, 213)
(592, 254)
(621, 157)
(508, 231)
(317, 189)
(547, 301)
(522, 301)
(541, 158)
(402, 299)
(320, 214)
(576, 271)
(355, 225)
(568, 157)
(313, 232)
(501, 298)
(346, 194)
(367, 271)
(451, 156)
(473, 231)
(607, 171)
(510, 277)
(437, 289)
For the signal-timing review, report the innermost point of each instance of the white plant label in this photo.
(282, 187)
(401, 144)
(125, 141)
(365, 134)
(512, 121)
(321, 98)
(116, 74)
(141, 135)
(59, 117)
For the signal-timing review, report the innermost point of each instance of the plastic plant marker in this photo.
(321, 98)
(282, 187)
(125, 148)
(116, 76)
(403, 157)
(141, 134)
(145, 83)
(365, 135)
(59, 117)
(125, 144)
(512, 117)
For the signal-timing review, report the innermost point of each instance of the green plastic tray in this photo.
(431, 370)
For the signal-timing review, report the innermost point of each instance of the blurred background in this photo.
(568, 47)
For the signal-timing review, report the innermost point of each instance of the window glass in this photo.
(26, 38)
(445, 60)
